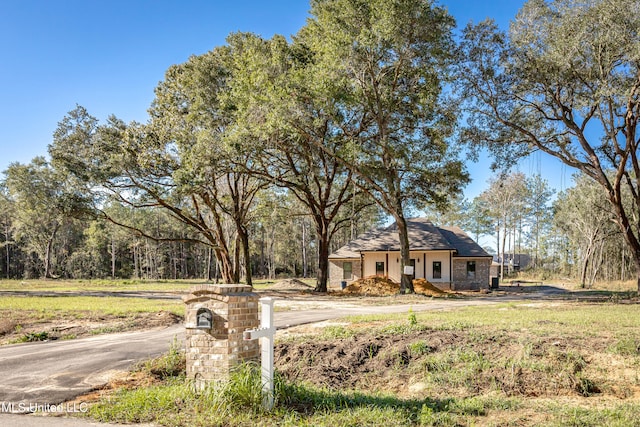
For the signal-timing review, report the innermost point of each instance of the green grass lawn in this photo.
(98, 285)
(51, 308)
(118, 285)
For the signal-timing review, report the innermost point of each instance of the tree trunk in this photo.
(47, 255)
(304, 249)
(406, 285)
(504, 242)
(323, 256)
(6, 242)
(243, 236)
(113, 258)
(583, 274)
(226, 265)
(236, 260)
(272, 255)
(627, 231)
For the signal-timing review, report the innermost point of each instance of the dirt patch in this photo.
(383, 286)
(290, 285)
(449, 363)
(423, 286)
(373, 285)
(20, 326)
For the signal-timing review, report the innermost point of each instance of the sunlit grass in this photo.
(98, 285)
(46, 308)
(543, 317)
(107, 285)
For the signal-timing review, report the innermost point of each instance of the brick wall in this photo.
(211, 353)
(460, 279)
(336, 272)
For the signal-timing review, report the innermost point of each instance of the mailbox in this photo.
(204, 319)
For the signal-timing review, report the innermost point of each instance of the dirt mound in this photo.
(433, 359)
(379, 286)
(423, 286)
(373, 285)
(290, 285)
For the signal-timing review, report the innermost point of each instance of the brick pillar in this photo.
(212, 352)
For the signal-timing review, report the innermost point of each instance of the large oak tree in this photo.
(566, 81)
(390, 60)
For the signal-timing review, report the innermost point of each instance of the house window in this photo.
(437, 270)
(347, 270)
(471, 269)
(379, 268)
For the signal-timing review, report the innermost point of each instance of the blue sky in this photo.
(108, 55)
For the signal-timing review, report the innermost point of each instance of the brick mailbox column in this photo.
(215, 319)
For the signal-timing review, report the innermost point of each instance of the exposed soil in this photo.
(450, 363)
(20, 327)
(290, 285)
(382, 286)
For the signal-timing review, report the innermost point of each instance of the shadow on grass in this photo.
(558, 292)
(308, 401)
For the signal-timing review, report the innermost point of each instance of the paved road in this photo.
(28, 420)
(56, 371)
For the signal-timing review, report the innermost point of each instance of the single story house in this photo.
(445, 256)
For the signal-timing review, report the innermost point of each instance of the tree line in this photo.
(569, 234)
(357, 116)
(41, 237)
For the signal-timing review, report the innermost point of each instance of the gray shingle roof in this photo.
(465, 245)
(423, 236)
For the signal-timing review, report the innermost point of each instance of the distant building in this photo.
(512, 262)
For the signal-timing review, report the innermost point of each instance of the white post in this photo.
(266, 333)
(266, 322)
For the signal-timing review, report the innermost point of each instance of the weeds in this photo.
(412, 318)
(337, 332)
(419, 348)
(34, 336)
(627, 346)
(170, 365)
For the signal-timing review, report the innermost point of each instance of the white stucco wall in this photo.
(392, 264)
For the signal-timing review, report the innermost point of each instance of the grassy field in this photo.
(66, 313)
(36, 318)
(547, 363)
(98, 285)
(66, 309)
(59, 285)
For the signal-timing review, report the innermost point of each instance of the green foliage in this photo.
(35, 336)
(420, 348)
(403, 328)
(583, 214)
(563, 81)
(413, 320)
(170, 365)
(338, 332)
(627, 346)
